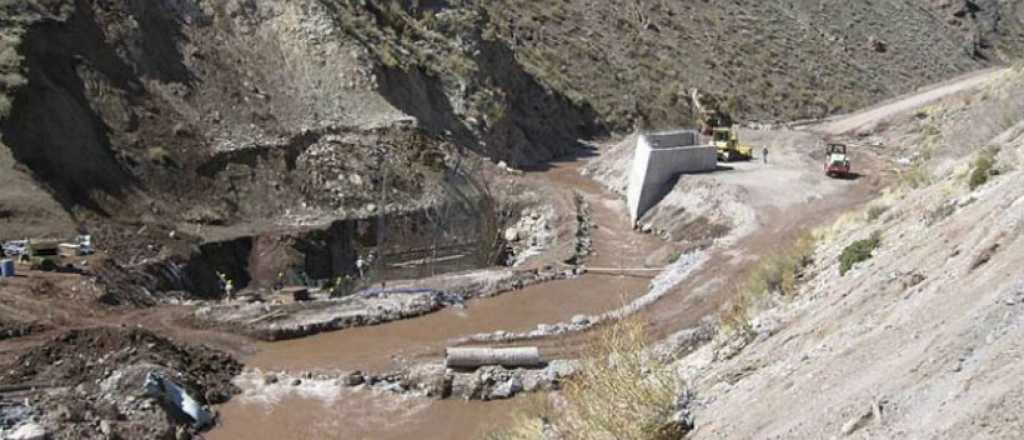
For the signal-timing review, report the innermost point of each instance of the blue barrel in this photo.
(6, 268)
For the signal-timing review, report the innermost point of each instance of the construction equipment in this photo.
(728, 144)
(42, 254)
(837, 163)
(709, 112)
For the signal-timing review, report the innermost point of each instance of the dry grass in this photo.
(776, 275)
(875, 212)
(917, 176)
(622, 392)
(983, 168)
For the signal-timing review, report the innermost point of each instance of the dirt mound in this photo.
(80, 356)
(96, 381)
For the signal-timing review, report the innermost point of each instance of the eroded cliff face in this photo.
(222, 113)
(225, 119)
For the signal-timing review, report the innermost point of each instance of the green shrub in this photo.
(858, 251)
(984, 167)
(775, 274)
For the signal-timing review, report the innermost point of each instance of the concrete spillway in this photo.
(659, 158)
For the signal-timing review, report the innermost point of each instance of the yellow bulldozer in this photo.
(729, 147)
(717, 123)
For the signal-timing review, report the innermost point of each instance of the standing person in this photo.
(764, 154)
(279, 284)
(361, 266)
(227, 285)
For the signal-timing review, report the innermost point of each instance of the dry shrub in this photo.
(775, 275)
(983, 168)
(622, 392)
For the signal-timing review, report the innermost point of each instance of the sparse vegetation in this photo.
(875, 212)
(11, 77)
(622, 392)
(777, 274)
(983, 168)
(917, 176)
(859, 251)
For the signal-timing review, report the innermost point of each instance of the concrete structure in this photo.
(475, 357)
(659, 158)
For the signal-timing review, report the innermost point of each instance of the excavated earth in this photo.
(922, 339)
(263, 141)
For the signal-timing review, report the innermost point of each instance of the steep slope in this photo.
(223, 118)
(636, 61)
(182, 113)
(921, 339)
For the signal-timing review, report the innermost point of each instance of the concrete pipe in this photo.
(505, 357)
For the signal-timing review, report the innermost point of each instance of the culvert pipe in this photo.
(475, 357)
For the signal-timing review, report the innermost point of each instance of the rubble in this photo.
(429, 380)
(530, 236)
(98, 375)
(369, 307)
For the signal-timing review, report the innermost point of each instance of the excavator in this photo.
(717, 124)
(728, 144)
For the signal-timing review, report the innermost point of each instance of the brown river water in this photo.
(353, 414)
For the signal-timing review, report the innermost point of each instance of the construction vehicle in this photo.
(42, 254)
(727, 143)
(837, 163)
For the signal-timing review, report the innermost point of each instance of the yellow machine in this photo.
(728, 145)
(42, 254)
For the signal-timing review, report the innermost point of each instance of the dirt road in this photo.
(864, 118)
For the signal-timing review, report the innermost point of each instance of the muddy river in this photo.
(281, 413)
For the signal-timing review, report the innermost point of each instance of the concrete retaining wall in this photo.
(659, 158)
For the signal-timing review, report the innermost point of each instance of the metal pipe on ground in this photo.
(475, 357)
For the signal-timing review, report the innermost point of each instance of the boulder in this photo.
(511, 235)
(466, 386)
(432, 379)
(580, 320)
(506, 389)
(352, 379)
(28, 431)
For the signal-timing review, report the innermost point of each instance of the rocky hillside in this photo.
(635, 61)
(908, 321)
(238, 114)
(180, 115)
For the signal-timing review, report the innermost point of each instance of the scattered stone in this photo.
(506, 390)
(511, 235)
(28, 431)
(466, 386)
(105, 428)
(295, 382)
(580, 320)
(858, 422)
(352, 379)
(432, 379)
(270, 379)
